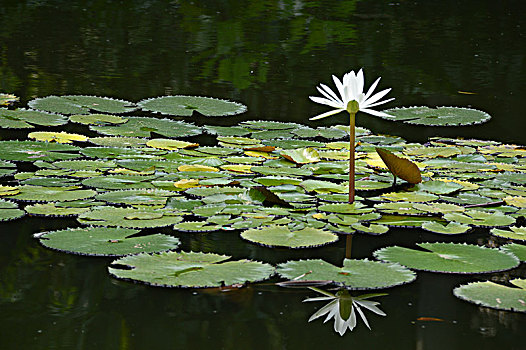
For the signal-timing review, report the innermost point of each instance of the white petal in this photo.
(324, 101)
(318, 299)
(327, 114)
(339, 86)
(363, 317)
(376, 113)
(377, 96)
(352, 319)
(371, 89)
(327, 92)
(339, 325)
(327, 308)
(360, 81)
(379, 103)
(371, 305)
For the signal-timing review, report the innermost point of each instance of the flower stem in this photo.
(351, 156)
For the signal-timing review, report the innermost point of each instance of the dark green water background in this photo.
(269, 55)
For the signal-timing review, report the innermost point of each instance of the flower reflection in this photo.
(343, 308)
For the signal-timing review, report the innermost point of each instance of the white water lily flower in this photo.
(351, 89)
(341, 307)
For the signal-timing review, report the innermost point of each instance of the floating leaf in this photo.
(400, 167)
(170, 144)
(515, 233)
(50, 209)
(52, 194)
(136, 197)
(480, 218)
(193, 269)
(281, 236)
(450, 258)
(186, 105)
(196, 226)
(144, 127)
(25, 119)
(452, 228)
(79, 104)
(301, 155)
(440, 116)
(493, 295)
(438, 187)
(519, 250)
(129, 217)
(8, 99)
(409, 197)
(405, 221)
(34, 150)
(355, 274)
(519, 201)
(9, 211)
(97, 119)
(105, 241)
(59, 137)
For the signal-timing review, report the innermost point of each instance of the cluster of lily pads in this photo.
(276, 184)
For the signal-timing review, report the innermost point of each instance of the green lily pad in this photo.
(281, 236)
(27, 119)
(128, 217)
(9, 211)
(494, 295)
(196, 226)
(136, 197)
(515, 233)
(405, 221)
(50, 209)
(450, 258)
(346, 208)
(452, 228)
(409, 197)
(519, 250)
(51, 194)
(79, 104)
(323, 186)
(355, 274)
(186, 105)
(481, 218)
(192, 270)
(105, 241)
(269, 125)
(35, 150)
(118, 141)
(50, 182)
(97, 119)
(438, 187)
(120, 182)
(144, 127)
(440, 116)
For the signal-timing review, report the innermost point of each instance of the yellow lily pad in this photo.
(197, 167)
(59, 137)
(170, 144)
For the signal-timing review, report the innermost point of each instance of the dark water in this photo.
(269, 55)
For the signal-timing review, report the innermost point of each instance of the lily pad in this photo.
(281, 236)
(105, 241)
(58, 137)
(494, 295)
(451, 228)
(481, 218)
(515, 233)
(52, 194)
(186, 105)
(129, 217)
(80, 104)
(144, 127)
(9, 211)
(450, 258)
(519, 250)
(34, 150)
(192, 270)
(50, 209)
(26, 119)
(440, 116)
(97, 119)
(355, 274)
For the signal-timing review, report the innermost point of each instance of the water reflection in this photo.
(343, 308)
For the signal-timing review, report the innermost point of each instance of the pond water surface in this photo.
(269, 55)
